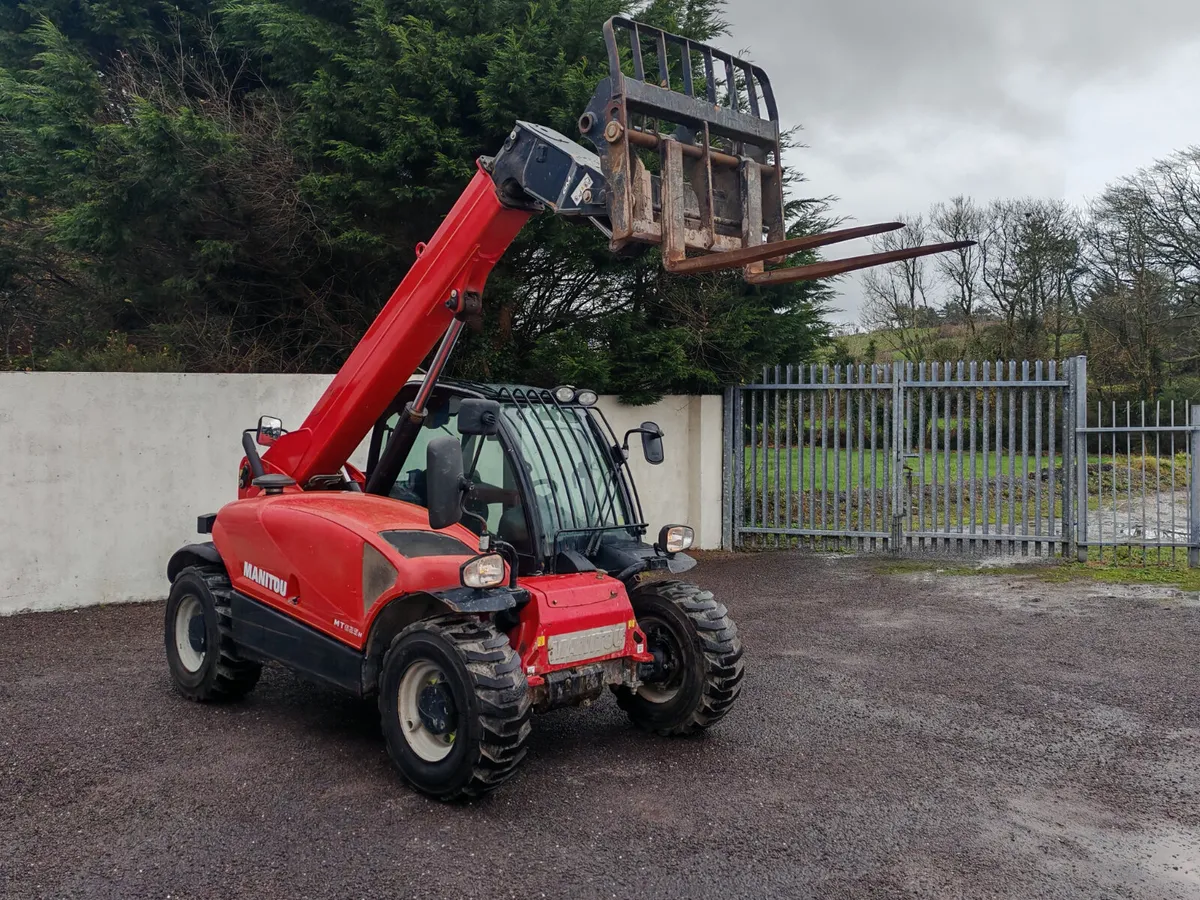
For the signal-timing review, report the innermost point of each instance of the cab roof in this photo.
(502, 392)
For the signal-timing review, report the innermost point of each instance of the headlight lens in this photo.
(674, 538)
(586, 398)
(564, 394)
(483, 571)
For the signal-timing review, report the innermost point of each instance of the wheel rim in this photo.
(428, 716)
(661, 639)
(190, 633)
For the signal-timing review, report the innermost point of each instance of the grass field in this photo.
(826, 488)
(817, 468)
(813, 468)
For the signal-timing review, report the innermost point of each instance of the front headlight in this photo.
(483, 571)
(674, 538)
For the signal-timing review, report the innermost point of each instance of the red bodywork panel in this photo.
(563, 604)
(312, 543)
(302, 553)
(459, 257)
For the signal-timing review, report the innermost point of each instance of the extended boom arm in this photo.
(446, 281)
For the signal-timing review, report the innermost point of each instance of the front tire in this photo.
(201, 656)
(700, 656)
(454, 707)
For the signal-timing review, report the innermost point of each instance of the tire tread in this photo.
(503, 695)
(722, 648)
(235, 677)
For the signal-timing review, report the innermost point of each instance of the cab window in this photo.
(495, 497)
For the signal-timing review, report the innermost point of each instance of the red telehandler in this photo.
(490, 559)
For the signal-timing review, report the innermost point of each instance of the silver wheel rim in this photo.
(657, 695)
(427, 745)
(189, 657)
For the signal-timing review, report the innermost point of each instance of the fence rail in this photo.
(966, 457)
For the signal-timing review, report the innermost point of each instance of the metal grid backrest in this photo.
(688, 140)
(696, 82)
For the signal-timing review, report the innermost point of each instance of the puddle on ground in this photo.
(1120, 851)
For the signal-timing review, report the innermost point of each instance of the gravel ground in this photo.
(903, 735)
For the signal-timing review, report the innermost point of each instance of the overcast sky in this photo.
(909, 102)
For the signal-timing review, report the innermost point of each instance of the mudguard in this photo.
(191, 555)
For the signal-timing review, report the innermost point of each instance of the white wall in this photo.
(686, 488)
(102, 475)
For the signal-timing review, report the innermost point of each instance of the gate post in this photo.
(1194, 490)
(898, 450)
(737, 435)
(1081, 460)
(727, 473)
(1069, 546)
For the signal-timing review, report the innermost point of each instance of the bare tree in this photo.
(961, 271)
(1138, 320)
(1030, 265)
(897, 295)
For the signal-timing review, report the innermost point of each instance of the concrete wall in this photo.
(102, 474)
(686, 487)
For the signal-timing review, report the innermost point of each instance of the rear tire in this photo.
(201, 655)
(700, 643)
(454, 707)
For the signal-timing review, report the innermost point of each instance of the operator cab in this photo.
(551, 481)
(495, 497)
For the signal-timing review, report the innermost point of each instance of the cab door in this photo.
(496, 498)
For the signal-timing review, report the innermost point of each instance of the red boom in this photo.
(459, 257)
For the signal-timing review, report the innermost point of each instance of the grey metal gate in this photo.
(1138, 479)
(792, 472)
(969, 457)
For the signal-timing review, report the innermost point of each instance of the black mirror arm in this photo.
(510, 553)
(475, 460)
(625, 442)
(252, 457)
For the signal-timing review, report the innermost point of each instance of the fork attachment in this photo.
(688, 140)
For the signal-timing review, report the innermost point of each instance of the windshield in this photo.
(575, 487)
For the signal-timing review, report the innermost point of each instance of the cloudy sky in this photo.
(908, 102)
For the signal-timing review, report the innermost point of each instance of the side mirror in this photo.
(444, 482)
(269, 430)
(478, 417)
(652, 444)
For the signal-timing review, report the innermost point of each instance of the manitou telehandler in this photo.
(490, 560)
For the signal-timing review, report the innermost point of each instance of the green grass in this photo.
(819, 479)
(825, 460)
(834, 477)
(815, 468)
(886, 342)
(1150, 572)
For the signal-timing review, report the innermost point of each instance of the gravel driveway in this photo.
(898, 735)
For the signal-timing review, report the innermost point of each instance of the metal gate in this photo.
(795, 477)
(967, 457)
